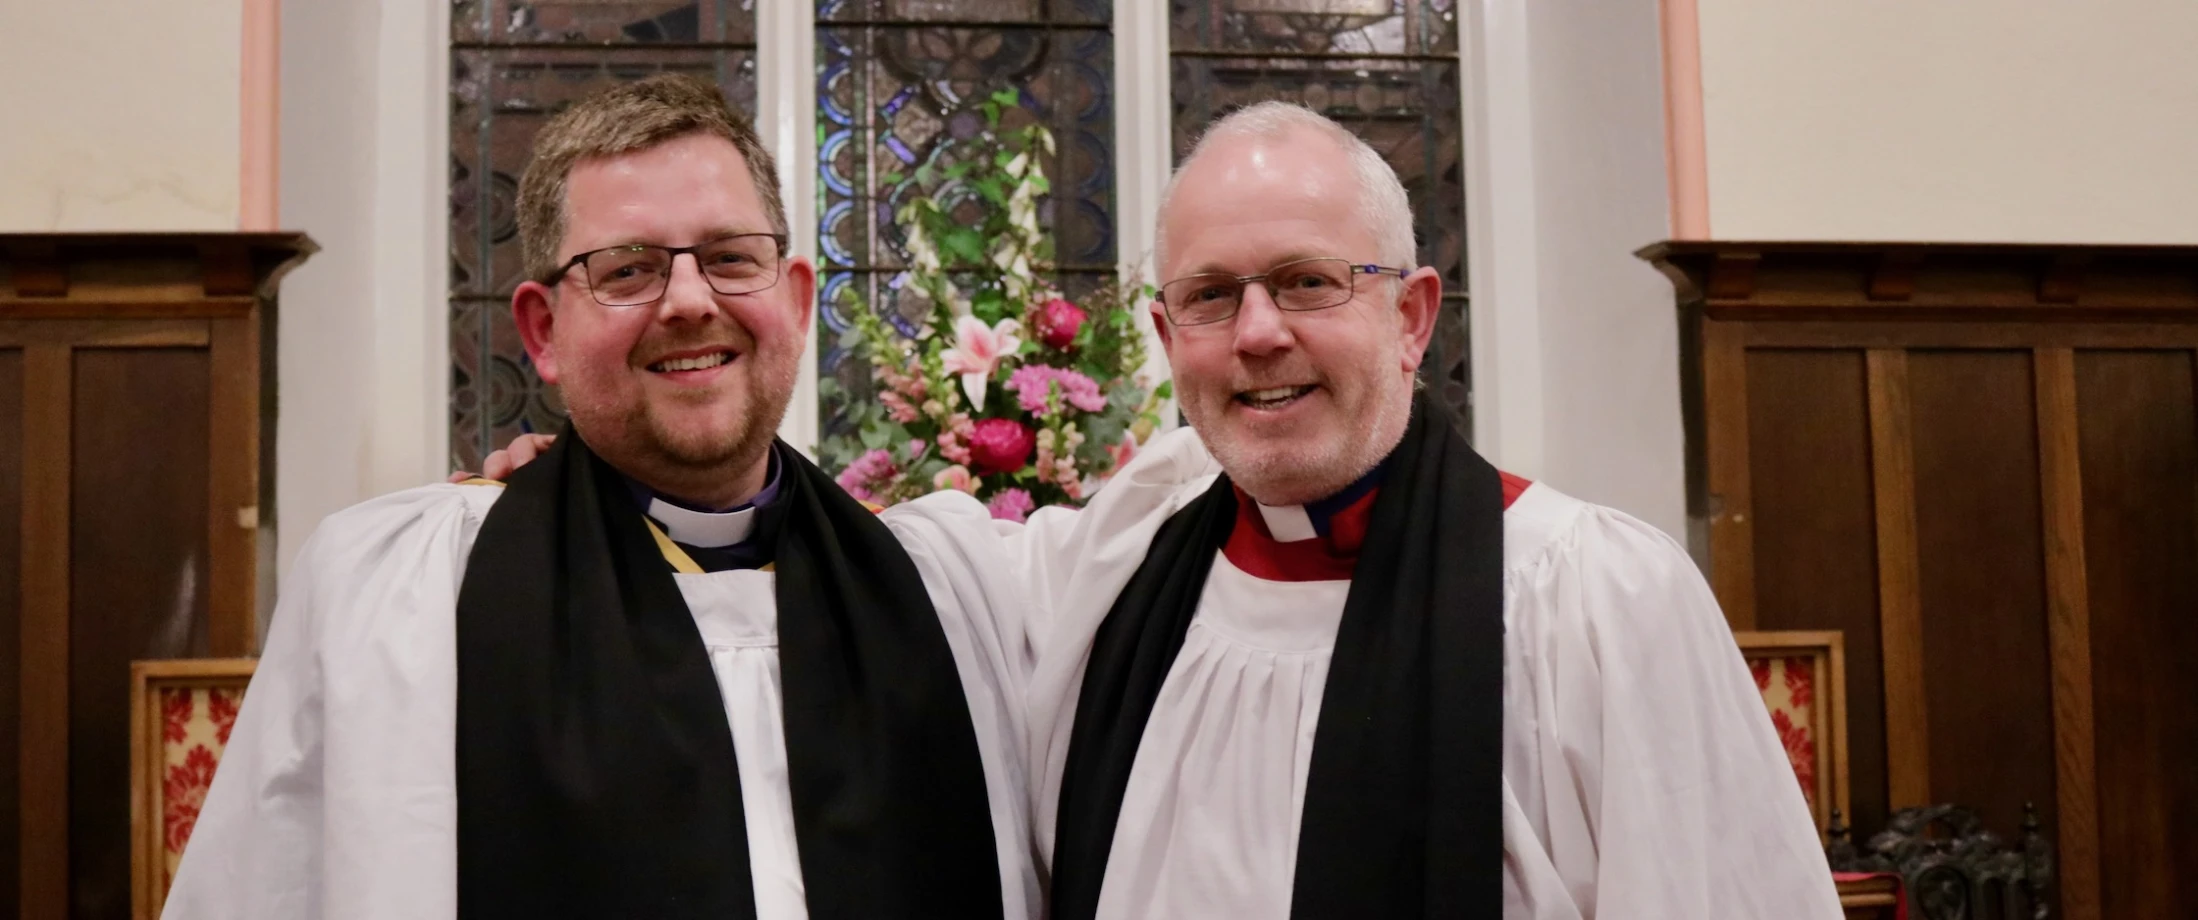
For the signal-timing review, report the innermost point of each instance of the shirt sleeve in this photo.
(1659, 782)
(255, 851)
(338, 779)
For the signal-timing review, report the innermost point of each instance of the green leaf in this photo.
(875, 438)
(1007, 98)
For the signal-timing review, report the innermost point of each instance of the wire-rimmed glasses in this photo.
(1299, 286)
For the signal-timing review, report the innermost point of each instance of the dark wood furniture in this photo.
(1876, 897)
(1954, 868)
(1979, 463)
(132, 439)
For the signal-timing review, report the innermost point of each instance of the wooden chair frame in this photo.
(148, 759)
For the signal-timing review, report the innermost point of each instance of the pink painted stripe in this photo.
(1687, 151)
(259, 150)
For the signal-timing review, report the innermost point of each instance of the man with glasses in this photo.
(1316, 659)
(670, 671)
(1359, 672)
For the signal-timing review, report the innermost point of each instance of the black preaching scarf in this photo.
(596, 770)
(1403, 806)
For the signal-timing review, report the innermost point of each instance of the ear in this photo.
(531, 312)
(801, 278)
(1417, 308)
(1160, 325)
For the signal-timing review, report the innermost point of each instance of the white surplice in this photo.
(337, 795)
(1642, 779)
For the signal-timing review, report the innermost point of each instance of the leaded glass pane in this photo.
(599, 22)
(966, 12)
(514, 64)
(901, 88)
(1408, 27)
(1386, 69)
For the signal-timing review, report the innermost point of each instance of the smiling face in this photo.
(1294, 405)
(685, 393)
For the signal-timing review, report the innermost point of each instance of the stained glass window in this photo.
(899, 85)
(513, 64)
(1387, 69)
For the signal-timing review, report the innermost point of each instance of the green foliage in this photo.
(995, 273)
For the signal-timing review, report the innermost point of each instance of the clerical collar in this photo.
(1319, 540)
(1315, 541)
(703, 528)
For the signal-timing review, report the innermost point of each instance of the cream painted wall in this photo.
(1971, 120)
(1611, 426)
(362, 350)
(1575, 342)
(126, 114)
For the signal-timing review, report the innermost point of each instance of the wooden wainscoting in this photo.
(131, 440)
(1979, 464)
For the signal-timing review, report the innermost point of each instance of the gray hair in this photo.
(1384, 208)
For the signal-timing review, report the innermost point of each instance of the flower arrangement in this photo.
(1007, 390)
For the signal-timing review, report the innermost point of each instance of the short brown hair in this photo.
(621, 120)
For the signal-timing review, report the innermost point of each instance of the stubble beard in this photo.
(655, 449)
(1309, 469)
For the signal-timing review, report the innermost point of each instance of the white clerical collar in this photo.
(703, 529)
(1295, 523)
(1287, 523)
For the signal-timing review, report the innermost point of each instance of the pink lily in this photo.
(977, 350)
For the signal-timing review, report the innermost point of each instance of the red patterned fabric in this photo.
(183, 792)
(194, 728)
(221, 706)
(175, 714)
(1788, 686)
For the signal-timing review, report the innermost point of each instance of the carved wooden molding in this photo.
(46, 270)
(1764, 280)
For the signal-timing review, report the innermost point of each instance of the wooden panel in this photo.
(1919, 334)
(2139, 441)
(2068, 617)
(11, 624)
(44, 780)
(1981, 560)
(233, 487)
(131, 302)
(1809, 453)
(101, 333)
(140, 582)
(1731, 521)
(1900, 599)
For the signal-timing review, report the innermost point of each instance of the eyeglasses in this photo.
(1300, 286)
(635, 274)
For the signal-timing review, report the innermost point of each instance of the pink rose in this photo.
(1011, 505)
(998, 445)
(1058, 322)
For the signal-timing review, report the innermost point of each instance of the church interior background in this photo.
(1891, 315)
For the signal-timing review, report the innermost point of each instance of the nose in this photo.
(687, 296)
(1261, 329)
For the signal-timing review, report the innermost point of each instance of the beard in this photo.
(1295, 471)
(660, 439)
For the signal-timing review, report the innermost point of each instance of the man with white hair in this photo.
(1341, 667)
(1360, 673)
